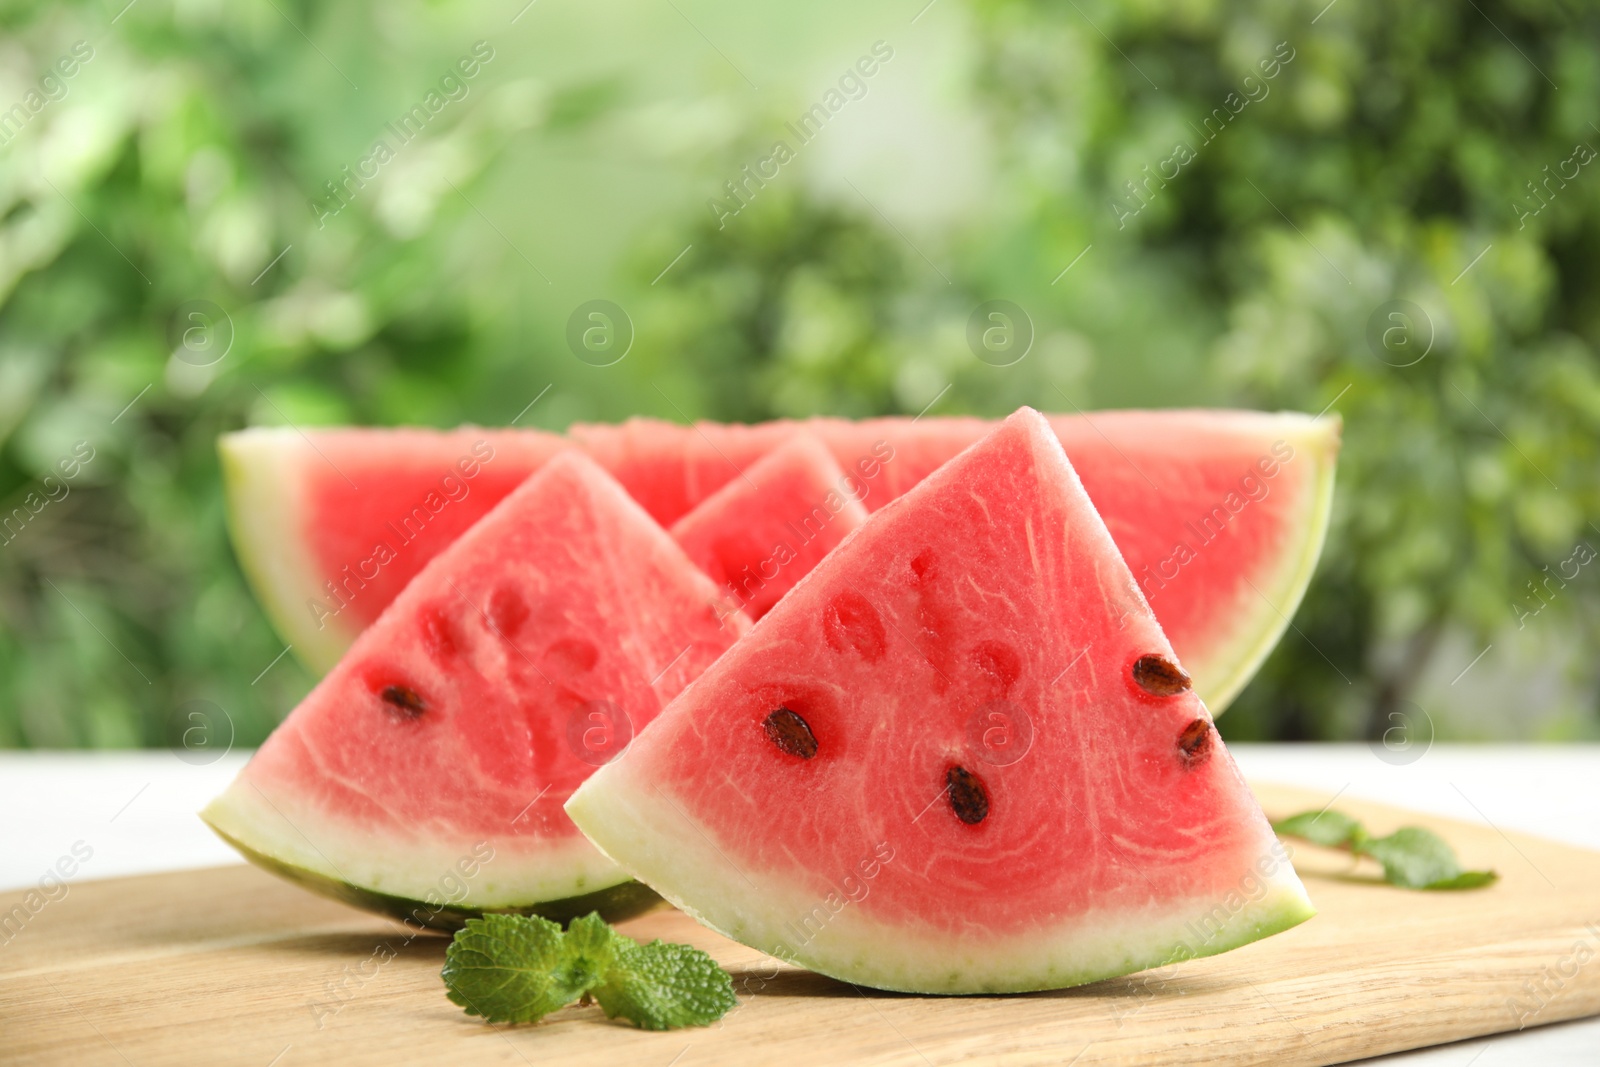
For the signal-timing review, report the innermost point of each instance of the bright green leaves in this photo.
(518, 969)
(1412, 858)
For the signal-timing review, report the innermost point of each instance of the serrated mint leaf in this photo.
(512, 969)
(663, 986)
(1419, 859)
(1327, 828)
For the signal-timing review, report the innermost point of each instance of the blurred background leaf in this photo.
(1197, 204)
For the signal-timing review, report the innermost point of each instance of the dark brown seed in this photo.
(1159, 676)
(1195, 742)
(404, 701)
(968, 799)
(790, 733)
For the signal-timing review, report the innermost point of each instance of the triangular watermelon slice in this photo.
(425, 775)
(958, 757)
(764, 531)
(330, 524)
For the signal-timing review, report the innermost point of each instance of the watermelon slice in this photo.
(424, 776)
(330, 525)
(762, 532)
(958, 757)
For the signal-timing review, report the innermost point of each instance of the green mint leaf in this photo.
(1419, 859)
(1327, 828)
(662, 986)
(514, 968)
(1412, 858)
(518, 969)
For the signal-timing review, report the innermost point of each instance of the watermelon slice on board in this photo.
(958, 757)
(424, 776)
(331, 524)
(763, 531)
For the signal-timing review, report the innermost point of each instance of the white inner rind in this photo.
(677, 859)
(1264, 616)
(518, 870)
(265, 515)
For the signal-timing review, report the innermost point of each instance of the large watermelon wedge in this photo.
(958, 757)
(424, 776)
(330, 524)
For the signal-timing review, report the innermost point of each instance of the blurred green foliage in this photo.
(1388, 159)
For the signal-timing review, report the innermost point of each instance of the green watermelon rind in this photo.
(851, 950)
(264, 520)
(1217, 686)
(614, 903)
(619, 898)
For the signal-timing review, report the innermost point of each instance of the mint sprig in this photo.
(1412, 858)
(518, 969)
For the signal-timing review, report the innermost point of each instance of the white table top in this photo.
(136, 810)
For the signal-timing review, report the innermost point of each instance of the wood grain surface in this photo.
(232, 966)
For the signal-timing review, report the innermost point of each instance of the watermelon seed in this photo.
(790, 733)
(1159, 676)
(968, 799)
(1195, 743)
(405, 701)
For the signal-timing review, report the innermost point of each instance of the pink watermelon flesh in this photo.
(905, 450)
(764, 531)
(669, 468)
(523, 656)
(934, 766)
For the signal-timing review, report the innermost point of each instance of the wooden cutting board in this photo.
(232, 966)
